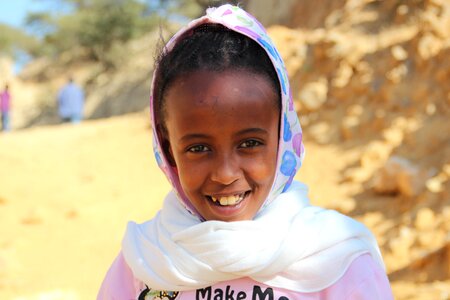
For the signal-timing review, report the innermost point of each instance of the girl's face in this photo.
(223, 136)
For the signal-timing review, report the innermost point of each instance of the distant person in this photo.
(5, 106)
(71, 102)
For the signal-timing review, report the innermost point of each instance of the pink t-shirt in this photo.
(5, 99)
(364, 279)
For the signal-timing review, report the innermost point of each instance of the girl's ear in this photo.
(165, 145)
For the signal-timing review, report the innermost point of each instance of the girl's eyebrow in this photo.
(252, 130)
(192, 136)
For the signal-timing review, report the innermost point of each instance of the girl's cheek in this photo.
(261, 169)
(193, 174)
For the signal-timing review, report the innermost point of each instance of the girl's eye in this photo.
(198, 148)
(250, 144)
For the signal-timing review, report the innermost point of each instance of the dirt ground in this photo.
(66, 193)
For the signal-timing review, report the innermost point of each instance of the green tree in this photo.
(14, 40)
(99, 27)
(94, 25)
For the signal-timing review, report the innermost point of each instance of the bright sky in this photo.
(14, 12)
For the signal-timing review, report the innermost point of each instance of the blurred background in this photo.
(370, 80)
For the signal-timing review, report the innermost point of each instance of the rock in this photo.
(402, 9)
(372, 219)
(446, 169)
(270, 12)
(355, 110)
(401, 245)
(399, 53)
(428, 46)
(376, 153)
(291, 45)
(393, 136)
(345, 206)
(358, 175)
(365, 72)
(446, 218)
(349, 126)
(401, 13)
(320, 132)
(397, 74)
(314, 94)
(436, 20)
(431, 240)
(338, 45)
(351, 123)
(430, 109)
(425, 219)
(436, 183)
(343, 75)
(398, 176)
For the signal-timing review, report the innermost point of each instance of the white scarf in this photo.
(289, 245)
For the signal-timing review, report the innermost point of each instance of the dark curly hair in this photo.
(211, 47)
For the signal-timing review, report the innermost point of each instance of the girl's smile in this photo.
(223, 136)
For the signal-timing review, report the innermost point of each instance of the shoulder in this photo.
(364, 279)
(119, 282)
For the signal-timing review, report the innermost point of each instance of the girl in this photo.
(236, 225)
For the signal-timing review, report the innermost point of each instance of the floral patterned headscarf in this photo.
(290, 147)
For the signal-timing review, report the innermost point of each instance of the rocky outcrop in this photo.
(375, 76)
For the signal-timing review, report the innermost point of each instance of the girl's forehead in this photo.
(201, 82)
(227, 96)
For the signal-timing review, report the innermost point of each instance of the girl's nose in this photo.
(226, 170)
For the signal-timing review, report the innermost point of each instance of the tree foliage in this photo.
(100, 26)
(94, 25)
(14, 39)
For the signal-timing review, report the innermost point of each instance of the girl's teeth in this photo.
(230, 200)
(233, 200)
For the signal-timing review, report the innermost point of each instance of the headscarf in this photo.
(288, 244)
(290, 147)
